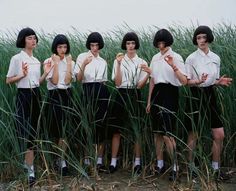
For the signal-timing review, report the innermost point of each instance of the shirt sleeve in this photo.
(113, 70)
(78, 65)
(151, 66)
(189, 68)
(218, 69)
(13, 67)
(180, 65)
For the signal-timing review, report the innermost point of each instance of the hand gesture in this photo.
(225, 81)
(55, 58)
(69, 59)
(88, 60)
(119, 57)
(25, 68)
(169, 60)
(48, 66)
(145, 68)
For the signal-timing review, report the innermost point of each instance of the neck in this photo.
(28, 51)
(164, 50)
(131, 54)
(95, 54)
(205, 50)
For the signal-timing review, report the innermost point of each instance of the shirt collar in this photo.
(134, 58)
(203, 53)
(90, 53)
(168, 52)
(25, 54)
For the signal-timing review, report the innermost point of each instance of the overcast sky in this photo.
(105, 15)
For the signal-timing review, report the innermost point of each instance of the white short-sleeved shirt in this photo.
(162, 72)
(31, 80)
(95, 71)
(198, 63)
(62, 68)
(130, 70)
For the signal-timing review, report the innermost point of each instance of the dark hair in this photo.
(60, 39)
(95, 37)
(203, 30)
(20, 42)
(163, 35)
(130, 36)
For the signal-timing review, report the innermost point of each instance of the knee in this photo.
(219, 136)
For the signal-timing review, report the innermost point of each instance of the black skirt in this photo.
(27, 116)
(95, 105)
(202, 109)
(164, 106)
(58, 112)
(127, 112)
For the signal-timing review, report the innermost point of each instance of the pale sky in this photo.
(105, 15)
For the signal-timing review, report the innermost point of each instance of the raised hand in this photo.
(48, 66)
(25, 68)
(119, 57)
(145, 68)
(88, 60)
(55, 58)
(68, 59)
(169, 60)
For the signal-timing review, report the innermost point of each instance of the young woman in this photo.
(203, 72)
(168, 73)
(130, 74)
(24, 71)
(60, 95)
(91, 70)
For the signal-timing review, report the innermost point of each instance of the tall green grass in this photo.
(10, 163)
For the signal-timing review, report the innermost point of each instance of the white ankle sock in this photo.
(160, 163)
(87, 161)
(175, 167)
(113, 162)
(215, 165)
(99, 160)
(137, 161)
(30, 169)
(63, 163)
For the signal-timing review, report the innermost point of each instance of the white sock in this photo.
(215, 165)
(175, 167)
(87, 161)
(137, 161)
(30, 169)
(113, 162)
(99, 160)
(160, 163)
(63, 163)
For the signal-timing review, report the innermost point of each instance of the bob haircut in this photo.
(130, 36)
(163, 35)
(20, 42)
(95, 37)
(60, 39)
(203, 30)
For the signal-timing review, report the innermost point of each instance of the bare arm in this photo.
(68, 76)
(181, 77)
(143, 82)
(151, 86)
(118, 74)
(80, 75)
